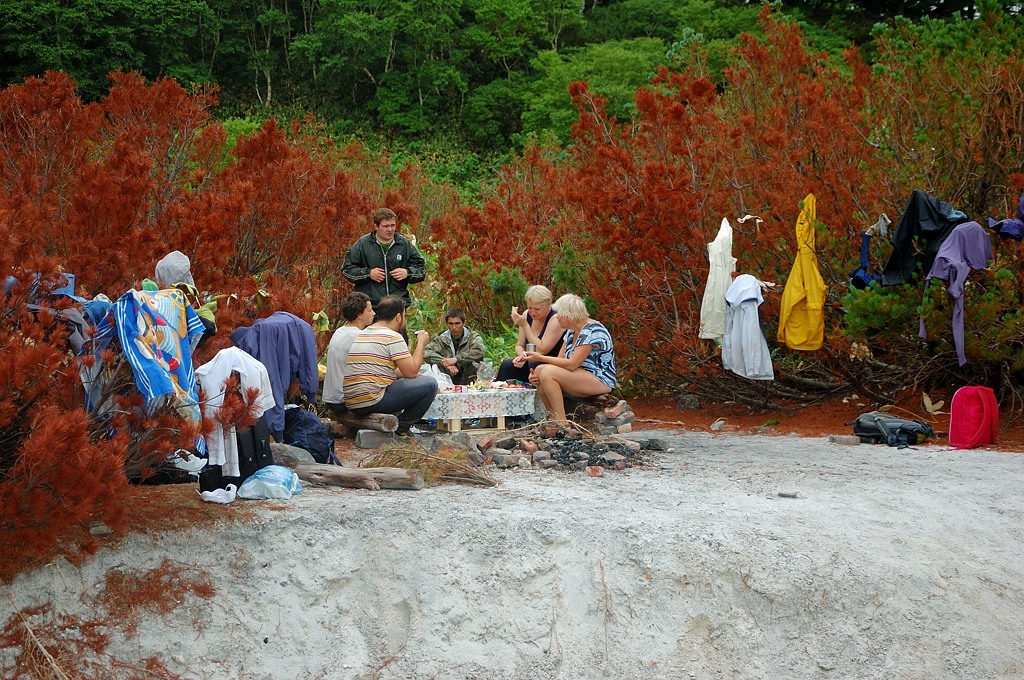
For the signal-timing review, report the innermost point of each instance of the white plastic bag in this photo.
(437, 373)
(272, 481)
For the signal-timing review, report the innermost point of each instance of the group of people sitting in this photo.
(560, 350)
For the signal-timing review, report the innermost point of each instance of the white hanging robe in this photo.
(722, 265)
(744, 347)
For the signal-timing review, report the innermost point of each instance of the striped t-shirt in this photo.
(371, 364)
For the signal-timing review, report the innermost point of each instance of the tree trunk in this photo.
(361, 478)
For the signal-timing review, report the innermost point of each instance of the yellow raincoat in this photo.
(802, 318)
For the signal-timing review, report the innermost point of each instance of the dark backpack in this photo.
(303, 429)
(880, 427)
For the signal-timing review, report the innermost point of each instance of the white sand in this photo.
(886, 564)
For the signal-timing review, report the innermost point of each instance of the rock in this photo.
(463, 440)
(611, 456)
(844, 439)
(372, 439)
(572, 433)
(656, 445)
(718, 425)
(547, 464)
(625, 427)
(486, 442)
(99, 529)
(507, 460)
(627, 417)
(507, 442)
(290, 456)
(527, 446)
(595, 470)
(475, 459)
(540, 456)
(613, 412)
(625, 445)
(688, 402)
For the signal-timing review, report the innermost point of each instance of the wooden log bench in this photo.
(347, 423)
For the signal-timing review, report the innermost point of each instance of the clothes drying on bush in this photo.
(286, 346)
(744, 347)
(222, 444)
(968, 247)
(924, 225)
(802, 310)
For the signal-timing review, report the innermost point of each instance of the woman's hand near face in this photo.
(517, 318)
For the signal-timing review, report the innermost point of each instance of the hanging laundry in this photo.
(744, 347)
(722, 265)
(925, 224)
(802, 313)
(1011, 227)
(968, 247)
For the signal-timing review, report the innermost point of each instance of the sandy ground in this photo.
(730, 556)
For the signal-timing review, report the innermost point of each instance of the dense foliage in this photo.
(484, 70)
(621, 215)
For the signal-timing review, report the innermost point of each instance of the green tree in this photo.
(614, 69)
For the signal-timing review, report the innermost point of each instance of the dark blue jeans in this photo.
(407, 398)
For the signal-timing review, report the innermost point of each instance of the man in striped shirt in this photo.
(382, 376)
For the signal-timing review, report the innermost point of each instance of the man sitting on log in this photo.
(382, 376)
(458, 350)
(358, 314)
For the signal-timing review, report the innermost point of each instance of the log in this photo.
(381, 422)
(361, 478)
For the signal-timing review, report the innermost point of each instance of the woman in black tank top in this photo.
(538, 326)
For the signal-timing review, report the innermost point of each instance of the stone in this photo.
(844, 439)
(463, 440)
(688, 402)
(573, 434)
(625, 427)
(527, 446)
(595, 470)
(627, 417)
(372, 439)
(100, 529)
(540, 456)
(625, 445)
(613, 412)
(486, 442)
(656, 445)
(579, 465)
(290, 456)
(507, 442)
(508, 460)
(611, 456)
(475, 459)
(547, 464)
(551, 430)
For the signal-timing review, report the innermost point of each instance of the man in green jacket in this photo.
(458, 351)
(384, 262)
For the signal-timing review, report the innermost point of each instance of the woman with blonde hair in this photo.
(586, 365)
(538, 327)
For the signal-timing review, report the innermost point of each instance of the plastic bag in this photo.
(485, 372)
(272, 481)
(437, 373)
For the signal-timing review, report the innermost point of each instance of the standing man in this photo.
(381, 376)
(458, 350)
(358, 315)
(384, 262)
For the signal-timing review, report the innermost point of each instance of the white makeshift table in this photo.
(449, 408)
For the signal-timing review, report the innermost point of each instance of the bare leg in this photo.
(554, 382)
